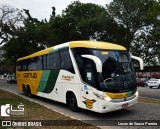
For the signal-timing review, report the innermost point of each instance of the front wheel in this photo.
(72, 103)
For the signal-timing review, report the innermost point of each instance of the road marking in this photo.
(147, 99)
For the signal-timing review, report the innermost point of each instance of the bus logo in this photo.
(88, 102)
(67, 78)
(7, 110)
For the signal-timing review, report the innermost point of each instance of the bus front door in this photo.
(89, 92)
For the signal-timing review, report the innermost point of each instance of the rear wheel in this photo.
(28, 92)
(25, 91)
(23, 88)
(72, 102)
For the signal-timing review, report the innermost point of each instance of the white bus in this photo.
(92, 75)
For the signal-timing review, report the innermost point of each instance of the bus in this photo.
(92, 75)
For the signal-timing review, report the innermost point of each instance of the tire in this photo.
(28, 92)
(23, 87)
(72, 102)
(150, 87)
(159, 86)
(25, 91)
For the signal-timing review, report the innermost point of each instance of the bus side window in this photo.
(66, 62)
(38, 63)
(53, 61)
(44, 62)
(19, 65)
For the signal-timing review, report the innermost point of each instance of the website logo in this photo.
(8, 110)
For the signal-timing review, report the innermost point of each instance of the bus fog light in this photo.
(103, 106)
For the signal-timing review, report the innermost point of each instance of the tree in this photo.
(133, 16)
(25, 40)
(78, 21)
(148, 45)
(10, 20)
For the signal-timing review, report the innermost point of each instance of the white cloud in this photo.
(42, 8)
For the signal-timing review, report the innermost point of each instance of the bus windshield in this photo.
(117, 71)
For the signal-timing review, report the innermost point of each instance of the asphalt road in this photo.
(149, 92)
(140, 111)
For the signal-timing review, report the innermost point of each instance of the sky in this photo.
(42, 9)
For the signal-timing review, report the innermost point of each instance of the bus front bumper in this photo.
(113, 106)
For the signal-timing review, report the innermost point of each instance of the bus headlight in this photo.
(136, 93)
(103, 97)
(106, 98)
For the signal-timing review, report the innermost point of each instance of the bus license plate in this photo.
(125, 105)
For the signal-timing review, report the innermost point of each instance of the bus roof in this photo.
(96, 45)
(77, 44)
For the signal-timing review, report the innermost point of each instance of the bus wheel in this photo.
(72, 102)
(25, 91)
(28, 92)
(23, 88)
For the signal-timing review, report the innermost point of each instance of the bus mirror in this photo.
(140, 61)
(96, 60)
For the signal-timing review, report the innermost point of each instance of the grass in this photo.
(38, 113)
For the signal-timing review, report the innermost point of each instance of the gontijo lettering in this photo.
(30, 75)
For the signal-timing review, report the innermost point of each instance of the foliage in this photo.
(140, 23)
(133, 15)
(27, 39)
(10, 18)
(78, 21)
(134, 24)
(149, 45)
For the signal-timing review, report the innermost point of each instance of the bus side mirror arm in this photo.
(140, 61)
(96, 60)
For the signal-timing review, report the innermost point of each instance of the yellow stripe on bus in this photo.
(96, 44)
(116, 95)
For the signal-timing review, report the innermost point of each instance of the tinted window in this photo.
(30, 64)
(44, 62)
(53, 61)
(38, 63)
(86, 66)
(66, 63)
